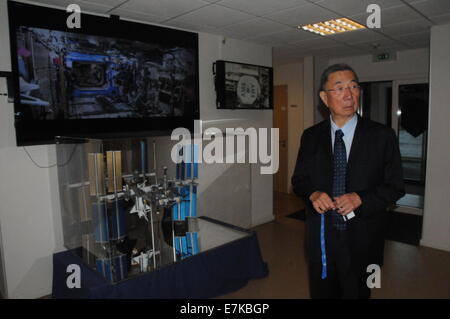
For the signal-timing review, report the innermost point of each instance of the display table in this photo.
(211, 273)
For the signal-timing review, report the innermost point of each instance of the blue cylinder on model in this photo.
(113, 269)
(100, 222)
(108, 220)
(117, 219)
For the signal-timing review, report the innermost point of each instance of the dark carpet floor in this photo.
(300, 215)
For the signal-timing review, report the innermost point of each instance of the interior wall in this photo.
(4, 66)
(320, 64)
(26, 214)
(214, 48)
(436, 219)
(292, 76)
(410, 64)
(308, 92)
(30, 215)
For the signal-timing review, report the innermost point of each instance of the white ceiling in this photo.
(405, 24)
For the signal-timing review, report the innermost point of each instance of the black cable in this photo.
(59, 165)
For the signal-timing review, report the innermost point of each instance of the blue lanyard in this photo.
(322, 246)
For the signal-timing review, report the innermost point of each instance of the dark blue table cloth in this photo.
(209, 274)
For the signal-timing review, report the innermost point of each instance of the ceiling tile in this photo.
(58, 3)
(392, 15)
(345, 51)
(357, 36)
(334, 51)
(106, 3)
(85, 6)
(273, 23)
(404, 28)
(135, 15)
(257, 26)
(163, 8)
(193, 27)
(381, 45)
(416, 38)
(441, 19)
(290, 36)
(287, 55)
(261, 7)
(354, 7)
(214, 16)
(319, 43)
(431, 8)
(302, 15)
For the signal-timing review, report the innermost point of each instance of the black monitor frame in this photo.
(260, 77)
(32, 132)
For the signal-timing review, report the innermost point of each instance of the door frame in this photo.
(395, 123)
(285, 119)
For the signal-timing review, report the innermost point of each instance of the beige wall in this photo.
(436, 219)
(410, 64)
(212, 48)
(292, 76)
(308, 93)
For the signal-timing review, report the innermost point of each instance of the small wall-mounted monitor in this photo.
(243, 86)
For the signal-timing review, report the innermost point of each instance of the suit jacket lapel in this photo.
(325, 144)
(357, 145)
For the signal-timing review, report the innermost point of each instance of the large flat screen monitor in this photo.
(108, 78)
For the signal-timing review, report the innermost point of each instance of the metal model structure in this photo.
(125, 223)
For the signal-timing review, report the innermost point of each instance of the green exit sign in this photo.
(386, 56)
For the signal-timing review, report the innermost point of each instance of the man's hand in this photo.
(347, 203)
(321, 202)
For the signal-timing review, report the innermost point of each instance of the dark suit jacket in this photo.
(374, 172)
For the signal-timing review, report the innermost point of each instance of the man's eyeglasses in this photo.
(340, 90)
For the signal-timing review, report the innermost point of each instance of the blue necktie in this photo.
(339, 173)
(322, 246)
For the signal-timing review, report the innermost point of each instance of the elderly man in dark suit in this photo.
(348, 171)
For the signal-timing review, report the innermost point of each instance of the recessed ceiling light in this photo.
(333, 26)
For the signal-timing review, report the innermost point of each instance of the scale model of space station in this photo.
(125, 224)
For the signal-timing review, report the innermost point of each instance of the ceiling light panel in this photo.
(334, 26)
